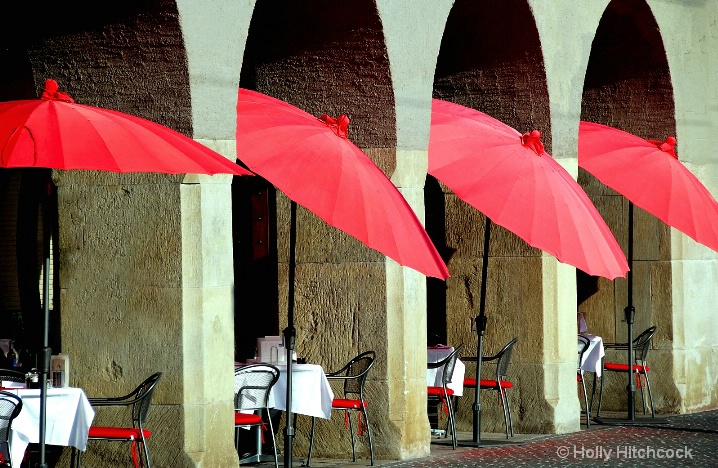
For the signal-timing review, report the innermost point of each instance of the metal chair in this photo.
(12, 375)
(500, 383)
(583, 344)
(139, 401)
(252, 386)
(354, 375)
(10, 407)
(641, 346)
(443, 393)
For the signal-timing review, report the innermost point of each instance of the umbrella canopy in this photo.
(313, 162)
(57, 133)
(511, 179)
(514, 182)
(649, 174)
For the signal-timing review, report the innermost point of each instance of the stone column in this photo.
(412, 34)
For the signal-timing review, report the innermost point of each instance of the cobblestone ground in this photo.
(684, 440)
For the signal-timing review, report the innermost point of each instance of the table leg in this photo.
(258, 456)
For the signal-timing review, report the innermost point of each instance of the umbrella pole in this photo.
(46, 352)
(290, 334)
(480, 330)
(630, 312)
(480, 321)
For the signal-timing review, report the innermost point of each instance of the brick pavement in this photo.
(692, 437)
(685, 440)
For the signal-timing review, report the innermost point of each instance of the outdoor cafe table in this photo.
(311, 395)
(434, 376)
(594, 354)
(68, 420)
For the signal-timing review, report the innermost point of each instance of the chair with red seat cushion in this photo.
(443, 394)
(139, 401)
(10, 407)
(583, 345)
(252, 386)
(499, 383)
(641, 346)
(354, 375)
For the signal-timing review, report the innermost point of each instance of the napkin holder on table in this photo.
(60, 370)
(271, 349)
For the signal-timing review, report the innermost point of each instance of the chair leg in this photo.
(311, 442)
(508, 408)
(274, 441)
(593, 391)
(368, 430)
(643, 396)
(351, 432)
(448, 422)
(451, 425)
(147, 453)
(502, 393)
(650, 395)
(600, 394)
(585, 402)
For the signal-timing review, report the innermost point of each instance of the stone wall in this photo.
(145, 275)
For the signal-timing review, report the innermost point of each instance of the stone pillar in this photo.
(207, 313)
(146, 286)
(406, 25)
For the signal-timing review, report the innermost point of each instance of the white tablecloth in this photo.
(434, 376)
(69, 417)
(592, 357)
(311, 393)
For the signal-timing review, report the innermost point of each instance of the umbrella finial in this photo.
(340, 125)
(51, 93)
(668, 146)
(533, 140)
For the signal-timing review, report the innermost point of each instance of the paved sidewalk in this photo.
(684, 440)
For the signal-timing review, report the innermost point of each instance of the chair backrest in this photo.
(355, 373)
(504, 358)
(583, 344)
(642, 343)
(10, 407)
(252, 385)
(449, 363)
(12, 375)
(143, 399)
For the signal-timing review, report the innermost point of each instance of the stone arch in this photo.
(323, 57)
(628, 86)
(126, 270)
(491, 60)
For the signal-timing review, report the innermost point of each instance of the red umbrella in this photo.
(313, 162)
(649, 174)
(54, 132)
(516, 184)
